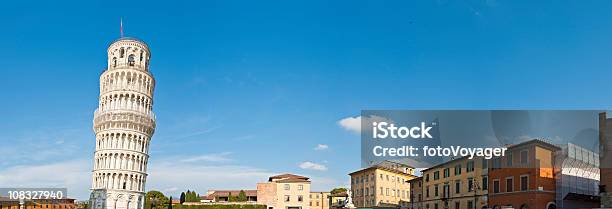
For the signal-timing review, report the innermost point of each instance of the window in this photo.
(301, 187)
(381, 191)
(300, 198)
(496, 186)
(427, 191)
(141, 53)
(435, 205)
(381, 178)
(457, 187)
(436, 190)
(427, 178)
(121, 53)
(485, 183)
(509, 184)
(446, 191)
(470, 166)
(470, 204)
(446, 172)
(114, 62)
(131, 60)
(387, 192)
(470, 184)
(436, 175)
(457, 205)
(524, 183)
(367, 192)
(524, 157)
(458, 169)
(287, 187)
(287, 198)
(387, 177)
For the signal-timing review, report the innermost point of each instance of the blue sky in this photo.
(246, 89)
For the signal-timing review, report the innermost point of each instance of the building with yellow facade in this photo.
(456, 184)
(319, 200)
(286, 191)
(382, 185)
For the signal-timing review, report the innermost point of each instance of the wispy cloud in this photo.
(172, 177)
(320, 147)
(312, 166)
(214, 157)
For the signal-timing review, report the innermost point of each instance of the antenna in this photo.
(121, 26)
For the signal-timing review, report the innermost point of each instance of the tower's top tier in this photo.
(128, 52)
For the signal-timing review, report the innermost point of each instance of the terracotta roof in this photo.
(382, 168)
(6, 199)
(207, 197)
(287, 176)
(291, 180)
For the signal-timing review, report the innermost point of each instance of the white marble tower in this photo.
(123, 123)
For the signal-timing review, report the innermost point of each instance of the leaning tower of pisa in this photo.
(123, 123)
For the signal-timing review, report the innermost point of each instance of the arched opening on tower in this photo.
(131, 60)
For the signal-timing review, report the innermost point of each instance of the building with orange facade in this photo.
(524, 177)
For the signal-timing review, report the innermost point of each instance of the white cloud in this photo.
(75, 175)
(312, 166)
(214, 157)
(321, 147)
(353, 124)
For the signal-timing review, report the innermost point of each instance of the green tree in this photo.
(241, 196)
(187, 196)
(155, 200)
(338, 190)
(182, 199)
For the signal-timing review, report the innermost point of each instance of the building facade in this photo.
(456, 184)
(320, 200)
(382, 185)
(225, 195)
(123, 124)
(416, 193)
(605, 159)
(524, 177)
(286, 191)
(338, 200)
(577, 177)
(6, 203)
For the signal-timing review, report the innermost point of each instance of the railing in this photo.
(148, 113)
(137, 88)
